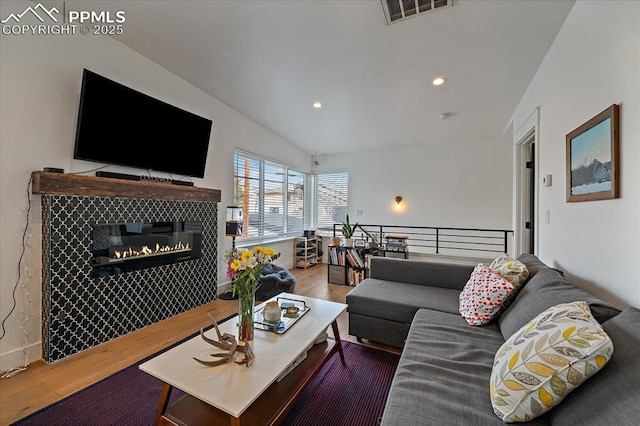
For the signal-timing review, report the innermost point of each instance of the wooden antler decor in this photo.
(227, 342)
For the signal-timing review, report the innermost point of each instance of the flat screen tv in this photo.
(119, 125)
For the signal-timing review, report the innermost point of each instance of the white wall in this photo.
(593, 63)
(40, 86)
(465, 185)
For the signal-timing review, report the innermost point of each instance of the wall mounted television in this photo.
(121, 126)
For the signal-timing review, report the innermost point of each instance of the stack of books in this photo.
(356, 277)
(396, 242)
(344, 256)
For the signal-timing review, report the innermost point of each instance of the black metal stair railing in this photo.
(439, 240)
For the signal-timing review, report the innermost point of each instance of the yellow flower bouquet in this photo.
(244, 268)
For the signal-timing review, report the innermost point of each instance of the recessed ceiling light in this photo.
(317, 105)
(438, 81)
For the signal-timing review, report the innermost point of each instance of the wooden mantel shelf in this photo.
(70, 184)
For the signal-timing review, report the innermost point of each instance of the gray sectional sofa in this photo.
(444, 370)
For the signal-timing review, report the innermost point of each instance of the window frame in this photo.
(317, 205)
(287, 230)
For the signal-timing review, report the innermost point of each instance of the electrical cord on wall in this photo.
(23, 250)
(89, 171)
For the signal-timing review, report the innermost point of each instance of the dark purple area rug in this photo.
(354, 394)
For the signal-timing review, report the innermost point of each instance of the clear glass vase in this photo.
(246, 303)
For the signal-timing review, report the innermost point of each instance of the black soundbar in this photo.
(142, 178)
(117, 175)
(53, 170)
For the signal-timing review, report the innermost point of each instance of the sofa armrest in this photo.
(444, 275)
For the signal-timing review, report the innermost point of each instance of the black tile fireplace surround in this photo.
(82, 309)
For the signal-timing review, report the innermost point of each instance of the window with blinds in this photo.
(272, 197)
(332, 193)
(295, 202)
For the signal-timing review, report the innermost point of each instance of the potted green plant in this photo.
(347, 231)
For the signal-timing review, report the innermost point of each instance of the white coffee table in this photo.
(234, 394)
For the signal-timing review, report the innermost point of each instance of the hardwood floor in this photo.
(43, 384)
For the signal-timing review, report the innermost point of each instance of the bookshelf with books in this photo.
(348, 266)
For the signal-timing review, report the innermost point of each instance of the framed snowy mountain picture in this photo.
(593, 158)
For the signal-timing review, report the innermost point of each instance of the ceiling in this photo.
(271, 60)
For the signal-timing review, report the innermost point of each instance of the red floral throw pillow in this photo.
(482, 297)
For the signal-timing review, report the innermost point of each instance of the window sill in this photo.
(261, 241)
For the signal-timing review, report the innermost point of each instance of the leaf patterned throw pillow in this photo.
(510, 269)
(482, 297)
(545, 360)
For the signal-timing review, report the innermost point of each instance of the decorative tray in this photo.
(286, 320)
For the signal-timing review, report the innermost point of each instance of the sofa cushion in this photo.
(546, 289)
(443, 373)
(380, 330)
(420, 272)
(534, 264)
(483, 296)
(399, 301)
(545, 360)
(612, 396)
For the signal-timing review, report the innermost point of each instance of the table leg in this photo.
(235, 421)
(164, 402)
(336, 335)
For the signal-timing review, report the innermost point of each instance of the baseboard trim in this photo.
(224, 287)
(17, 357)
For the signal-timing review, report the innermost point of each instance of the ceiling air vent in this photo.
(399, 10)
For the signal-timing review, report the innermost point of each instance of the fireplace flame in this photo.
(146, 251)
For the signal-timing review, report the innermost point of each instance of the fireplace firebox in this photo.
(124, 247)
